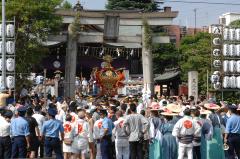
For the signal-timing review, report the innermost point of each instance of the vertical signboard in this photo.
(193, 84)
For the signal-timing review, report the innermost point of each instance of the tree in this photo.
(66, 5)
(146, 5)
(34, 21)
(195, 56)
(235, 24)
(164, 56)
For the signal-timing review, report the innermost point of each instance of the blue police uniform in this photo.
(233, 140)
(51, 130)
(106, 143)
(19, 130)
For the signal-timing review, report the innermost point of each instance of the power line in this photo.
(202, 2)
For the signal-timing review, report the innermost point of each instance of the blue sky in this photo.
(206, 14)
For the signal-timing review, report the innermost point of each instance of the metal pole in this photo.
(195, 18)
(207, 84)
(3, 46)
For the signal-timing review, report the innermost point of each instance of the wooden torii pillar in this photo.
(147, 65)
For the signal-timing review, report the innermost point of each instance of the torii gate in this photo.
(125, 18)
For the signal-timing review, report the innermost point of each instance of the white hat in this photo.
(93, 107)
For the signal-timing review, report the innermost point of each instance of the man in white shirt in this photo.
(185, 130)
(84, 86)
(40, 120)
(5, 140)
(121, 142)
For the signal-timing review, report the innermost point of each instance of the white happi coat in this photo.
(81, 133)
(97, 134)
(186, 126)
(68, 134)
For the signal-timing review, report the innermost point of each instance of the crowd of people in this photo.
(124, 127)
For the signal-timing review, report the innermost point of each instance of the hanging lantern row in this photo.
(224, 47)
(231, 66)
(216, 54)
(10, 54)
(231, 82)
(231, 34)
(10, 30)
(114, 52)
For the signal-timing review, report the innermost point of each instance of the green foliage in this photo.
(148, 34)
(235, 24)
(34, 21)
(146, 5)
(164, 56)
(75, 26)
(195, 56)
(66, 5)
(230, 97)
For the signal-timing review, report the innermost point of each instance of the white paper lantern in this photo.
(232, 66)
(10, 82)
(226, 50)
(10, 64)
(216, 52)
(237, 34)
(232, 34)
(217, 63)
(225, 66)
(238, 66)
(238, 50)
(10, 47)
(10, 30)
(216, 73)
(216, 41)
(215, 78)
(226, 34)
(226, 82)
(232, 50)
(233, 81)
(217, 86)
(238, 82)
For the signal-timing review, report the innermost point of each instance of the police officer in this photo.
(5, 140)
(50, 132)
(232, 133)
(20, 134)
(106, 138)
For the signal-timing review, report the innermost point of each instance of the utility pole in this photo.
(195, 20)
(3, 46)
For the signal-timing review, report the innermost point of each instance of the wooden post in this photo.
(71, 63)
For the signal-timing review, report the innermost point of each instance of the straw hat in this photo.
(174, 108)
(206, 112)
(168, 113)
(211, 106)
